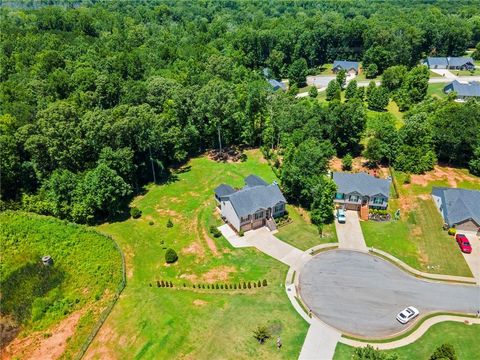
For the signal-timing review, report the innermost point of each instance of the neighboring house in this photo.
(460, 208)
(361, 189)
(351, 67)
(277, 84)
(452, 63)
(253, 206)
(464, 91)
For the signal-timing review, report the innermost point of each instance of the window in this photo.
(278, 208)
(245, 219)
(353, 198)
(339, 196)
(258, 215)
(378, 200)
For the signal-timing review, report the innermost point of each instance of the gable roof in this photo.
(254, 180)
(223, 190)
(464, 89)
(361, 183)
(459, 61)
(346, 65)
(459, 204)
(432, 61)
(250, 199)
(277, 84)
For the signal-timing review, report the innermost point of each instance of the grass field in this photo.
(151, 323)
(464, 339)
(86, 272)
(436, 90)
(417, 238)
(303, 235)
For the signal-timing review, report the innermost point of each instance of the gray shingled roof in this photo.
(254, 180)
(277, 84)
(439, 61)
(459, 61)
(361, 183)
(224, 190)
(346, 65)
(250, 199)
(459, 204)
(464, 89)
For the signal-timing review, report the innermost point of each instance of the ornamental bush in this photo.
(135, 212)
(169, 223)
(452, 231)
(171, 256)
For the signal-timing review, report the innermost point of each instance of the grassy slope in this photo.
(436, 90)
(178, 323)
(463, 337)
(417, 238)
(86, 272)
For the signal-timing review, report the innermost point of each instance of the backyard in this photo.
(187, 322)
(464, 339)
(418, 238)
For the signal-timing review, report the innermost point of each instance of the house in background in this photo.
(464, 91)
(460, 208)
(351, 67)
(276, 84)
(253, 206)
(450, 63)
(361, 191)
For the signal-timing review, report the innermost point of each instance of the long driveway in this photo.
(350, 235)
(361, 294)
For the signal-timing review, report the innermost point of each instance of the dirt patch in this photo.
(359, 165)
(220, 273)
(37, 346)
(168, 212)
(210, 243)
(190, 277)
(199, 302)
(105, 335)
(194, 249)
(443, 173)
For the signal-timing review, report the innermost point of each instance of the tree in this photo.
(369, 353)
(313, 92)
(333, 91)
(415, 84)
(444, 352)
(371, 86)
(341, 78)
(275, 62)
(372, 71)
(378, 99)
(383, 140)
(393, 77)
(323, 205)
(351, 90)
(347, 162)
(170, 256)
(261, 334)
(298, 71)
(476, 53)
(474, 163)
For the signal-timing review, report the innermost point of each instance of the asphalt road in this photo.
(361, 294)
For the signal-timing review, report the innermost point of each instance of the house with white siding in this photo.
(255, 205)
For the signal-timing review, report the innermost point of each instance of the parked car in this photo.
(341, 216)
(408, 314)
(463, 243)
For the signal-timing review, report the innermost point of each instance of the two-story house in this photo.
(253, 206)
(361, 189)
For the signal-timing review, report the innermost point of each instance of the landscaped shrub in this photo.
(169, 223)
(264, 283)
(244, 285)
(135, 212)
(444, 352)
(235, 286)
(162, 283)
(249, 285)
(158, 283)
(184, 285)
(407, 179)
(221, 286)
(347, 162)
(254, 284)
(171, 285)
(241, 233)
(194, 286)
(452, 231)
(171, 256)
(217, 287)
(167, 284)
(261, 334)
(215, 232)
(259, 284)
(151, 222)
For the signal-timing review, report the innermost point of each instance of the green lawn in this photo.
(302, 234)
(436, 90)
(475, 72)
(464, 339)
(151, 322)
(434, 75)
(86, 272)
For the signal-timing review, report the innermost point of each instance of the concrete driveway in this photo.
(361, 294)
(473, 259)
(444, 72)
(350, 235)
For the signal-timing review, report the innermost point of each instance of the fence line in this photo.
(394, 181)
(108, 310)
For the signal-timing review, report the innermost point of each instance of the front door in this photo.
(365, 200)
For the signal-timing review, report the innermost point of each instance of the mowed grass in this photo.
(86, 272)
(302, 234)
(418, 237)
(436, 90)
(464, 339)
(162, 323)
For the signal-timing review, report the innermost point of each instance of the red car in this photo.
(464, 244)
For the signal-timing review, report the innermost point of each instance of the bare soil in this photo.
(220, 273)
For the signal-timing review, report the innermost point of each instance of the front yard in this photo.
(418, 238)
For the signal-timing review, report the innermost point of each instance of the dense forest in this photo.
(99, 98)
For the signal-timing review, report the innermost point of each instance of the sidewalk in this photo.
(320, 342)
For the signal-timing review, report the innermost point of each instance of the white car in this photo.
(341, 216)
(408, 314)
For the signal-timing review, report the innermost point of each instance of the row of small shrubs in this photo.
(215, 232)
(239, 286)
(378, 211)
(283, 220)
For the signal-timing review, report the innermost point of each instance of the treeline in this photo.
(97, 100)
